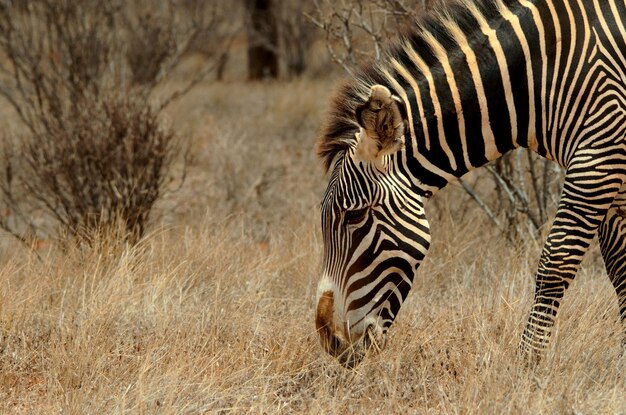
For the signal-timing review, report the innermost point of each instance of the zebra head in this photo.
(375, 234)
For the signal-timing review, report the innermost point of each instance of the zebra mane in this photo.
(338, 135)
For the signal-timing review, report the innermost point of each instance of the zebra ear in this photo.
(382, 122)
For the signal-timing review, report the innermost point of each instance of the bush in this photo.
(105, 164)
(80, 75)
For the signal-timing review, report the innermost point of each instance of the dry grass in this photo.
(213, 311)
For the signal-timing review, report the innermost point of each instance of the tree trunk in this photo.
(262, 40)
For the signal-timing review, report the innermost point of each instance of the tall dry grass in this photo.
(213, 311)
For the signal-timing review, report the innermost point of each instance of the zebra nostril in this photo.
(335, 343)
(367, 337)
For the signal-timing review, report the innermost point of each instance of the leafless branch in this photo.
(94, 153)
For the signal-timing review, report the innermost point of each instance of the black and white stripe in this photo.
(478, 79)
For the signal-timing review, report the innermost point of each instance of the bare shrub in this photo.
(94, 153)
(159, 35)
(105, 163)
(53, 54)
(212, 33)
(356, 30)
(151, 43)
(522, 189)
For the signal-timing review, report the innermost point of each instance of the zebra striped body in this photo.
(466, 85)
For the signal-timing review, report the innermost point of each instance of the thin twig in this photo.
(480, 203)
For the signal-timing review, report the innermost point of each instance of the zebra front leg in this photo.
(612, 237)
(586, 197)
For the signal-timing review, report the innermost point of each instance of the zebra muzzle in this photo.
(372, 341)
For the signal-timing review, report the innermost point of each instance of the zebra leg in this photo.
(581, 210)
(612, 236)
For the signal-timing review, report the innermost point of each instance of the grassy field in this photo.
(213, 311)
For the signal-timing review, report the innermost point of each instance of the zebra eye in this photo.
(355, 216)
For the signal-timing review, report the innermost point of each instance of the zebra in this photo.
(466, 84)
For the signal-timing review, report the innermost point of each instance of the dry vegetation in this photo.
(212, 312)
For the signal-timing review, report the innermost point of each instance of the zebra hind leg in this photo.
(580, 213)
(612, 236)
